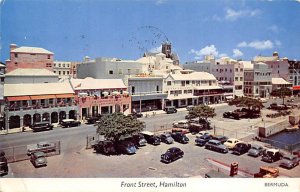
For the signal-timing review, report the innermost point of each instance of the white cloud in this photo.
(298, 1)
(155, 49)
(257, 44)
(159, 2)
(237, 53)
(208, 50)
(273, 28)
(232, 15)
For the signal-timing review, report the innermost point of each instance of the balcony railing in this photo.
(112, 99)
(20, 108)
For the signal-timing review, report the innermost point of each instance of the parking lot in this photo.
(145, 163)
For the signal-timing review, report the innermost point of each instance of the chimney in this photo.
(12, 46)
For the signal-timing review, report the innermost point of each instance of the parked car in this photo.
(289, 161)
(166, 138)
(170, 110)
(232, 115)
(271, 155)
(126, 147)
(267, 172)
(181, 124)
(105, 147)
(256, 150)
(195, 127)
(139, 140)
(3, 164)
(205, 123)
(189, 107)
(136, 115)
(201, 141)
(221, 138)
(216, 145)
(241, 148)
(41, 126)
(190, 116)
(297, 153)
(172, 154)
(230, 143)
(151, 138)
(180, 137)
(276, 106)
(44, 146)
(180, 130)
(38, 159)
(202, 133)
(69, 123)
(93, 119)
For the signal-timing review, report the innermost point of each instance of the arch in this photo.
(54, 117)
(27, 120)
(72, 114)
(14, 121)
(46, 117)
(62, 115)
(117, 108)
(37, 118)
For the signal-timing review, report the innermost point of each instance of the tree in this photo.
(117, 126)
(202, 111)
(248, 102)
(282, 93)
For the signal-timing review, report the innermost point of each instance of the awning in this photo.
(18, 98)
(64, 95)
(207, 87)
(181, 97)
(35, 97)
(229, 97)
(296, 87)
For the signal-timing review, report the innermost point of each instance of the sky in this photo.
(125, 29)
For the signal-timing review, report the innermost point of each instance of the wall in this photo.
(28, 79)
(274, 128)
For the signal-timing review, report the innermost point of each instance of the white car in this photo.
(181, 124)
(201, 133)
(230, 143)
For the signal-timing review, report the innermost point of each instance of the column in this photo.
(67, 115)
(162, 104)
(21, 121)
(7, 124)
(113, 108)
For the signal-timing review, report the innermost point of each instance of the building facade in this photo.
(30, 103)
(29, 57)
(101, 96)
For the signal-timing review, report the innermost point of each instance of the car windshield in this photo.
(255, 147)
(229, 141)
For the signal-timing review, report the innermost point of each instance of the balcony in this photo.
(35, 107)
(90, 100)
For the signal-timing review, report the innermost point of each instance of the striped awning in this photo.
(36, 97)
(18, 98)
(65, 95)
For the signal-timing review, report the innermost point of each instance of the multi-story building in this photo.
(28, 103)
(30, 76)
(2, 72)
(146, 92)
(257, 79)
(62, 69)
(186, 87)
(29, 57)
(101, 96)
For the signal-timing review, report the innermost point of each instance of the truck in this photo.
(45, 147)
(267, 172)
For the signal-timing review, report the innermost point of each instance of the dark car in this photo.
(289, 161)
(38, 159)
(139, 140)
(166, 138)
(41, 126)
(201, 141)
(3, 164)
(172, 154)
(170, 110)
(93, 119)
(232, 115)
(190, 116)
(195, 128)
(256, 150)
(216, 145)
(69, 123)
(271, 155)
(126, 147)
(221, 138)
(105, 147)
(180, 138)
(151, 138)
(205, 123)
(241, 148)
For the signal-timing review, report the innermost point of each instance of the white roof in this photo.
(194, 76)
(247, 64)
(30, 72)
(2, 65)
(91, 83)
(31, 50)
(28, 89)
(265, 58)
(280, 81)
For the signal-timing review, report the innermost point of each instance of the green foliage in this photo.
(282, 92)
(248, 102)
(202, 111)
(117, 126)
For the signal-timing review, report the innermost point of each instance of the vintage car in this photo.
(256, 150)
(241, 148)
(201, 141)
(69, 123)
(289, 161)
(271, 155)
(180, 138)
(105, 147)
(93, 119)
(170, 110)
(38, 159)
(41, 126)
(221, 138)
(189, 107)
(230, 143)
(216, 145)
(126, 147)
(181, 124)
(166, 138)
(151, 138)
(267, 172)
(172, 154)
(139, 140)
(202, 133)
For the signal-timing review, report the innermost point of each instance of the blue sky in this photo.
(125, 29)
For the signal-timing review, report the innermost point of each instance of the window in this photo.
(157, 88)
(68, 72)
(236, 78)
(48, 65)
(120, 71)
(49, 56)
(129, 71)
(68, 65)
(225, 70)
(59, 72)
(137, 71)
(16, 63)
(230, 70)
(59, 65)
(63, 65)
(64, 72)
(236, 69)
(110, 72)
(185, 91)
(241, 78)
(16, 55)
(217, 70)
(187, 82)
(241, 70)
(169, 83)
(182, 83)
(54, 71)
(132, 90)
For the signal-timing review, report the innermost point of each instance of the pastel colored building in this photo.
(101, 96)
(28, 103)
(29, 57)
